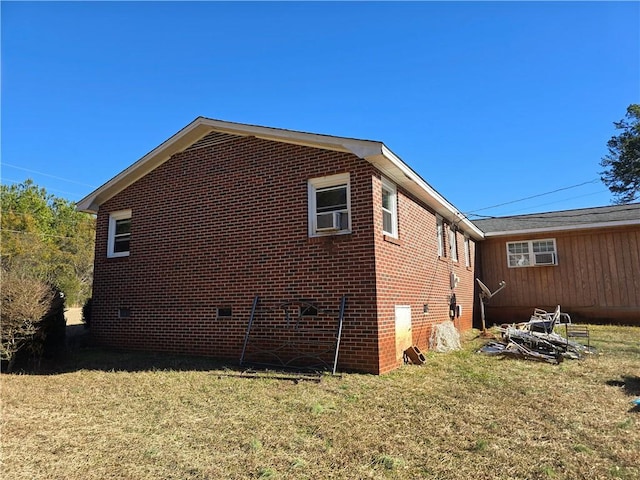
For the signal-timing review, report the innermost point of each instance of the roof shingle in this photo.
(588, 217)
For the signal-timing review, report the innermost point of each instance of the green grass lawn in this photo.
(114, 415)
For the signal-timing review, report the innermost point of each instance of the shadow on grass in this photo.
(631, 387)
(630, 384)
(80, 354)
(114, 360)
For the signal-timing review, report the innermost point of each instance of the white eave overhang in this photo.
(374, 152)
(395, 169)
(564, 228)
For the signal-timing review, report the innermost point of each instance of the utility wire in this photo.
(75, 194)
(41, 234)
(549, 203)
(47, 175)
(552, 217)
(533, 196)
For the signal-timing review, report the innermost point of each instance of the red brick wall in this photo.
(409, 272)
(215, 226)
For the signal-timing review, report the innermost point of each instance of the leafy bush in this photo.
(52, 331)
(86, 312)
(47, 237)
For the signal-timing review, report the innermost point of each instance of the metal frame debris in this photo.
(286, 336)
(537, 339)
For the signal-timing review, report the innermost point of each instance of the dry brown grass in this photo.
(459, 416)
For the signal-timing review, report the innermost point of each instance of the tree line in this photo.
(46, 261)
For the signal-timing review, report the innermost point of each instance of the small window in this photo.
(329, 205)
(124, 312)
(224, 312)
(119, 235)
(440, 235)
(389, 209)
(453, 243)
(532, 253)
(467, 251)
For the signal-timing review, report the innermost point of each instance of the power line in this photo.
(42, 234)
(533, 196)
(48, 175)
(12, 180)
(508, 213)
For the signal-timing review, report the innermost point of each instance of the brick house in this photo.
(222, 214)
(585, 260)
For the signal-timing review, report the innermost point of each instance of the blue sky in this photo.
(490, 102)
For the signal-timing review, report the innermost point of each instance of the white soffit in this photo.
(374, 152)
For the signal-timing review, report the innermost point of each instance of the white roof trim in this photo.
(586, 226)
(374, 152)
(403, 175)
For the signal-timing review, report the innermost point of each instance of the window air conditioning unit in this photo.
(327, 222)
(547, 258)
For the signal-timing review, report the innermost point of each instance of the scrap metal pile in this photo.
(537, 340)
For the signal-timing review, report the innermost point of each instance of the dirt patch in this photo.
(73, 316)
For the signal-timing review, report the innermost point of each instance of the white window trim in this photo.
(467, 251)
(393, 190)
(440, 235)
(113, 217)
(453, 243)
(531, 254)
(315, 184)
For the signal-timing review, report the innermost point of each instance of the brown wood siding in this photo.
(597, 277)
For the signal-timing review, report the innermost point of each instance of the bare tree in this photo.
(25, 302)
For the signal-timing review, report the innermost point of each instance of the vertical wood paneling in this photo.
(622, 260)
(543, 293)
(571, 272)
(597, 270)
(522, 287)
(613, 269)
(582, 261)
(564, 283)
(606, 270)
(633, 268)
(598, 274)
(593, 276)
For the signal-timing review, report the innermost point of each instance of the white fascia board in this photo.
(200, 127)
(564, 228)
(374, 152)
(315, 140)
(403, 175)
(179, 141)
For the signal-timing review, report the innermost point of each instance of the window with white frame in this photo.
(389, 208)
(440, 235)
(467, 251)
(532, 253)
(329, 205)
(453, 244)
(119, 235)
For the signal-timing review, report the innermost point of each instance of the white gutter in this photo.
(437, 201)
(584, 226)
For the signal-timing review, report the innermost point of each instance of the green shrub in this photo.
(86, 312)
